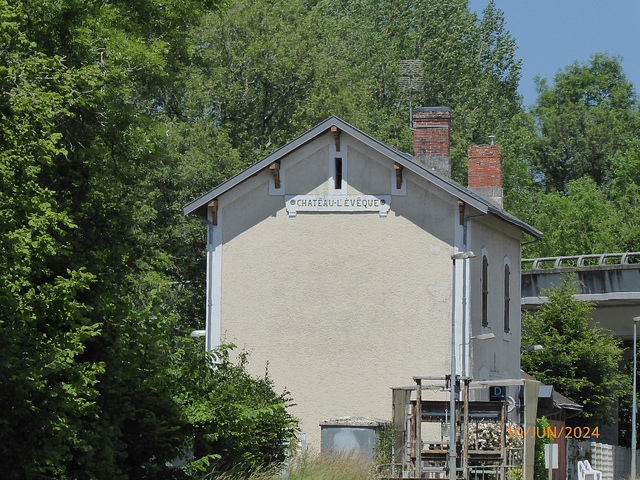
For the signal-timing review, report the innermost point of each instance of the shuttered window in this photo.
(507, 299)
(485, 290)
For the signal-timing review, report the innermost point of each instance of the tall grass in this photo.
(330, 467)
(335, 466)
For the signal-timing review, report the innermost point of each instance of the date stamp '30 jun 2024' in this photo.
(554, 432)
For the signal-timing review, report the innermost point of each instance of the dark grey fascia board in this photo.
(506, 216)
(256, 167)
(489, 207)
(534, 232)
(471, 198)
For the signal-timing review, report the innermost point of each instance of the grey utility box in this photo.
(346, 434)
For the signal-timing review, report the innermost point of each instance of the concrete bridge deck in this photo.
(611, 280)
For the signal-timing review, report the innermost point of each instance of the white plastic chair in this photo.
(585, 472)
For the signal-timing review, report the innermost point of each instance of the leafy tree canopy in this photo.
(571, 166)
(236, 421)
(265, 71)
(88, 328)
(48, 386)
(581, 361)
(587, 116)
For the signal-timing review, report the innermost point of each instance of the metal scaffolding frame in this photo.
(418, 457)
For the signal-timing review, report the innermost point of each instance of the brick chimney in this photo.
(431, 139)
(485, 172)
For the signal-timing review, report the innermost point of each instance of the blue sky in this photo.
(552, 34)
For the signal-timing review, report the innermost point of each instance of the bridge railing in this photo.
(581, 260)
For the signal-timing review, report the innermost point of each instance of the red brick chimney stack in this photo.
(485, 172)
(431, 139)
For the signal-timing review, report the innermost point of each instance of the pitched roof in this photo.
(198, 206)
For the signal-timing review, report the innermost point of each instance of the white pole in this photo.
(453, 454)
(633, 410)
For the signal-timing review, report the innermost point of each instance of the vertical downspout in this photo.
(466, 293)
(214, 276)
(458, 291)
(466, 324)
(466, 305)
(210, 257)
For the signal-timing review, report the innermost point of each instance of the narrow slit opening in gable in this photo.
(338, 174)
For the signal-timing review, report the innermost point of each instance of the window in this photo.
(338, 174)
(485, 290)
(507, 299)
(338, 171)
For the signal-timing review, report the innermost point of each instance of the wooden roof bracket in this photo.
(275, 171)
(336, 135)
(398, 169)
(213, 209)
(461, 211)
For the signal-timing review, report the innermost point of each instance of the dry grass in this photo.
(314, 467)
(330, 467)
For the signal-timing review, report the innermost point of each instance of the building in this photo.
(330, 261)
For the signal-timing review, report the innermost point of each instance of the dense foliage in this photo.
(88, 332)
(572, 166)
(234, 421)
(264, 72)
(579, 360)
(584, 119)
(540, 472)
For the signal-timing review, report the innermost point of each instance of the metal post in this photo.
(410, 104)
(465, 432)
(453, 454)
(634, 406)
(412, 451)
(418, 434)
(503, 446)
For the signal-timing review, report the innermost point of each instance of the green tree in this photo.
(48, 385)
(587, 116)
(81, 363)
(539, 470)
(93, 279)
(582, 220)
(255, 65)
(579, 360)
(470, 66)
(571, 169)
(265, 71)
(624, 189)
(236, 421)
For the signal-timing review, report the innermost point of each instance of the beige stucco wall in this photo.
(496, 358)
(341, 306)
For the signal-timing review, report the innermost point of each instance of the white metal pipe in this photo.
(634, 406)
(453, 454)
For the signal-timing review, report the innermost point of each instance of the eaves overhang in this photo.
(483, 206)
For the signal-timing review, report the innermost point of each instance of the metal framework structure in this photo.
(424, 444)
(411, 80)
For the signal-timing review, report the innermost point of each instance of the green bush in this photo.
(539, 470)
(237, 422)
